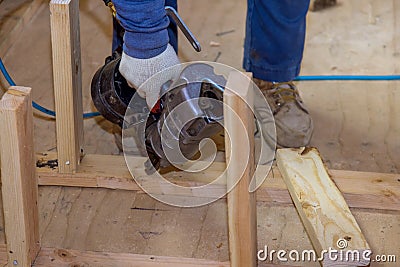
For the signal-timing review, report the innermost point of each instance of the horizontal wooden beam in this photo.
(65, 258)
(58, 257)
(366, 190)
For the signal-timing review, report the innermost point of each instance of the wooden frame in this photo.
(20, 192)
(94, 170)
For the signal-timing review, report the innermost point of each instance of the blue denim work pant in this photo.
(275, 34)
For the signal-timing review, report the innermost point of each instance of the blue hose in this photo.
(348, 78)
(34, 104)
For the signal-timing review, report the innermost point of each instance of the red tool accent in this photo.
(157, 107)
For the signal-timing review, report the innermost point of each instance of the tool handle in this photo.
(172, 13)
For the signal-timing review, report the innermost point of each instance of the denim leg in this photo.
(275, 34)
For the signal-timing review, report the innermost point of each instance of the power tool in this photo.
(112, 96)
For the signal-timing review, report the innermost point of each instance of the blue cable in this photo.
(36, 105)
(5, 73)
(91, 115)
(299, 78)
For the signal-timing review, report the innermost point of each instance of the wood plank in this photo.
(95, 171)
(322, 209)
(67, 78)
(19, 183)
(58, 257)
(366, 190)
(11, 29)
(65, 258)
(239, 147)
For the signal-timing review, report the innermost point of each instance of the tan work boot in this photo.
(294, 125)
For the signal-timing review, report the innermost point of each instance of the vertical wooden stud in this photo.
(242, 217)
(67, 77)
(19, 182)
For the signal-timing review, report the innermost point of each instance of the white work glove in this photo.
(136, 71)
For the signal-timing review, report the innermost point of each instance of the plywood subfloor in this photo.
(357, 127)
(121, 221)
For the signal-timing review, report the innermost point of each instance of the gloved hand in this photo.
(136, 71)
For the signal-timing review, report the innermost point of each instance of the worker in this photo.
(273, 50)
